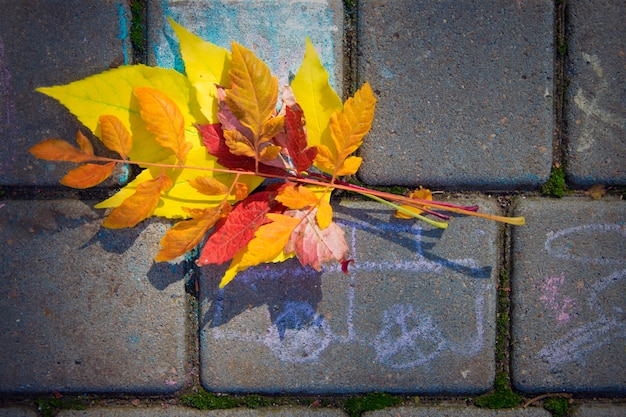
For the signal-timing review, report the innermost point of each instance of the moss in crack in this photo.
(501, 397)
(555, 186)
(369, 402)
(137, 29)
(204, 400)
(559, 407)
(49, 406)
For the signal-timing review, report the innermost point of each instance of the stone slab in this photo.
(190, 412)
(464, 92)
(596, 114)
(447, 411)
(604, 410)
(85, 309)
(275, 31)
(568, 286)
(45, 43)
(17, 412)
(415, 315)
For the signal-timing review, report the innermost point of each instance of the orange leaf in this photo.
(269, 240)
(186, 235)
(324, 215)
(163, 118)
(115, 136)
(59, 150)
(296, 197)
(238, 143)
(347, 128)
(422, 194)
(140, 205)
(241, 190)
(208, 186)
(252, 98)
(84, 143)
(88, 175)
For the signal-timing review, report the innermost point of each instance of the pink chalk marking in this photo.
(560, 304)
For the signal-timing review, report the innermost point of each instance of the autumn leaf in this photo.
(296, 196)
(88, 175)
(241, 190)
(422, 194)
(59, 150)
(235, 231)
(115, 136)
(294, 140)
(312, 245)
(111, 93)
(185, 235)
(347, 127)
(316, 97)
(208, 186)
(84, 143)
(163, 118)
(140, 205)
(206, 65)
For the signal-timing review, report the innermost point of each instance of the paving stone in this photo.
(85, 309)
(596, 115)
(447, 411)
(606, 410)
(568, 285)
(17, 412)
(188, 412)
(416, 313)
(464, 92)
(44, 43)
(276, 31)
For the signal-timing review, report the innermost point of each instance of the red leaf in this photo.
(295, 139)
(237, 230)
(213, 139)
(345, 264)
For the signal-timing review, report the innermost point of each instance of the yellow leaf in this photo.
(324, 215)
(163, 118)
(269, 153)
(254, 91)
(208, 186)
(206, 64)
(422, 194)
(238, 143)
(185, 235)
(316, 97)
(297, 197)
(88, 175)
(115, 136)
(347, 129)
(140, 205)
(182, 193)
(111, 92)
(269, 240)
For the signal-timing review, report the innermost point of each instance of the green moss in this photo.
(256, 401)
(555, 187)
(137, 35)
(501, 397)
(369, 402)
(203, 400)
(559, 407)
(49, 406)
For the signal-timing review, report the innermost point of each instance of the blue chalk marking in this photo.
(122, 177)
(123, 35)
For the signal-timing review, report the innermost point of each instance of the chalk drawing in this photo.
(591, 108)
(409, 336)
(608, 320)
(560, 304)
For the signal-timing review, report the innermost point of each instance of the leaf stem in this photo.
(441, 225)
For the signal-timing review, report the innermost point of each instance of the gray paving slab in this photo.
(606, 410)
(276, 31)
(17, 412)
(416, 313)
(596, 114)
(85, 309)
(568, 285)
(464, 92)
(448, 411)
(44, 43)
(189, 412)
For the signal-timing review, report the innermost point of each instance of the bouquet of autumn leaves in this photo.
(207, 140)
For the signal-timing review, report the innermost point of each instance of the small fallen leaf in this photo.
(88, 175)
(596, 191)
(422, 194)
(208, 186)
(59, 150)
(115, 136)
